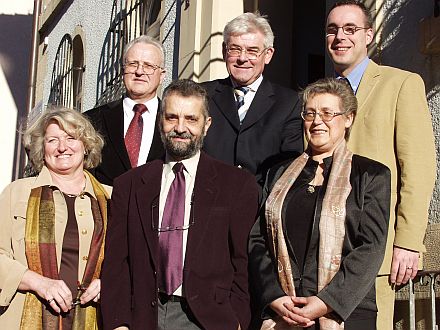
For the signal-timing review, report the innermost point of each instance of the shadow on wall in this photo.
(109, 85)
(401, 33)
(15, 49)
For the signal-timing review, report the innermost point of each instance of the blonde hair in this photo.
(74, 124)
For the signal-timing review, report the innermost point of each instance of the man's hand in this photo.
(279, 306)
(404, 266)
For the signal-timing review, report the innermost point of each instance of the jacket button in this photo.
(153, 304)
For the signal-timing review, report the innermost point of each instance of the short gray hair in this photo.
(336, 87)
(249, 23)
(186, 88)
(144, 39)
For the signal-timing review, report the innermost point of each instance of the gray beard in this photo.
(181, 150)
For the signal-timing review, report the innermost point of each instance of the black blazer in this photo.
(366, 229)
(108, 120)
(215, 272)
(271, 130)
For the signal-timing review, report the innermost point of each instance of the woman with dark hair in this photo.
(53, 228)
(319, 242)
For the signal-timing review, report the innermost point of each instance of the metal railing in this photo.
(425, 278)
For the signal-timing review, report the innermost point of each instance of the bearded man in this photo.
(176, 245)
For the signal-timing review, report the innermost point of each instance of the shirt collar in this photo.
(355, 76)
(189, 163)
(252, 87)
(151, 105)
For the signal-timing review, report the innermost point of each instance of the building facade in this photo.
(80, 43)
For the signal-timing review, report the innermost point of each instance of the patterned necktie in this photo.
(240, 92)
(171, 240)
(133, 137)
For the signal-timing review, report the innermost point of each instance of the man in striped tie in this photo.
(255, 123)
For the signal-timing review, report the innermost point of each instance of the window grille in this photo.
(129, 19)
(61, 90)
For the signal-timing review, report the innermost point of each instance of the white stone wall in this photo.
(94, 18)
(400, 48)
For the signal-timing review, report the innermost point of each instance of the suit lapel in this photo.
(114, 121)
(205, 193)
(369, 80)
(262, 102)
(225, 102)
(147, 201)
(156, 150)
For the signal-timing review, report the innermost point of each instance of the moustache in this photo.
(180, 135)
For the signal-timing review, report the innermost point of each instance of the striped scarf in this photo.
(331, 227)
(41, 256)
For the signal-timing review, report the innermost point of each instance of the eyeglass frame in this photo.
(155, 208)
(143, 65)
(316, 113)
(241, 50)
(344, 27)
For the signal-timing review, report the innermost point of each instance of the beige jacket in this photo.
(13, 264)
(393, 126)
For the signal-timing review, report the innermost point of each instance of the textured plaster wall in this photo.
(94, 18)
(400, 48)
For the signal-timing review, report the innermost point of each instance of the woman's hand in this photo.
(92, 292)
(55, 292)
(308, 307)
(279, 306)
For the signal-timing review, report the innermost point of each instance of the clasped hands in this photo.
(300, 311)
(56, 293)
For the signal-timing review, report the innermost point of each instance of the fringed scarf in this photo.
(331, 227)
(40, 248)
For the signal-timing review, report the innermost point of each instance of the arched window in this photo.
(130, 19)
(61, 90)
(78, 70)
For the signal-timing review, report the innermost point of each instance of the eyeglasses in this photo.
(251, 54)
(348, 30)
(147, 68)
(154, 218)
(325, 115)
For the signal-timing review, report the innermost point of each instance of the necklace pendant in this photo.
(311, 189)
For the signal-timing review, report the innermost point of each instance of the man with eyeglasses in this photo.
(176, 245)
(393, 126)
(255, 123)
(129, 125)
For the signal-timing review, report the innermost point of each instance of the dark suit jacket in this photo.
(215, 271)
(272, 126)
(366, 228)
(108, 120)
